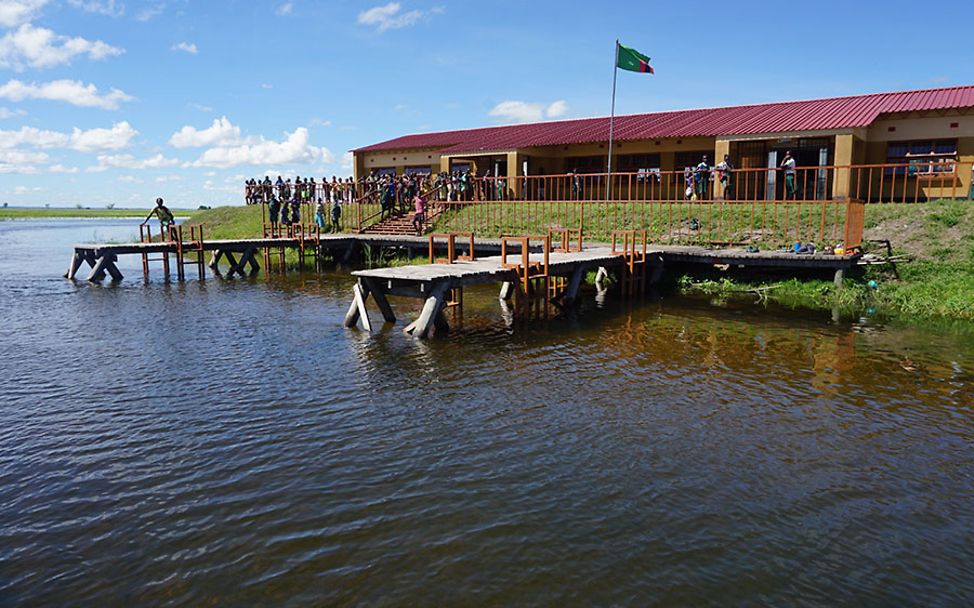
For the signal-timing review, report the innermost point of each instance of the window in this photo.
(922, 157)
(631, 163)
(691, 159)
(586, 164)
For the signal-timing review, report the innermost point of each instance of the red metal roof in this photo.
(813, 115)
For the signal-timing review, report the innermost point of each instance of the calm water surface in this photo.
(230, 443)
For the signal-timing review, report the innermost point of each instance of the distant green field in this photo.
(16, 213)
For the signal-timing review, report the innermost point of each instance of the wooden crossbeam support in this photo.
(105, 264)
(77, 259)
(574, 284)
(378, 294)
(432, 315)
(357, 310)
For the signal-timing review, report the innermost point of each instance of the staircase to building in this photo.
(402, 224)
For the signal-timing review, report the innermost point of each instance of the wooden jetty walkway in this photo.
(538, 272)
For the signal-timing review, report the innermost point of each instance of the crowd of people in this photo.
(284, 199)
(397, 194)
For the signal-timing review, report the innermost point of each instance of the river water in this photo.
(228, 442)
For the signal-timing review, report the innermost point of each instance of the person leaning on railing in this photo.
(724, 169)
(166, 218)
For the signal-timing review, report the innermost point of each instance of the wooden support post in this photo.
(233, 263)
(600, 277)
(432, 309)
(574, 284)
(507, 290)
(349, 252)
(375, 288)
(112, 268)
(357, 309)
(77, 259)
(657, 270)
(250, 258)
(105, 264)
(215, 259)
(839, 277)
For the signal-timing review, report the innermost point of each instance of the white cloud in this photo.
(37, 47)
(320, 122)
(348, 160)
(523, 111)
(150, 13)
(389, 17)
(119, 136)
(15, 12)
(285, 9)
(127, 161)
(295, 148)
(221, 133)
(557, 109)
(71, 91)
(130, 179)
(110, 8)
(264, 85)
(168, 178)
(8, 113)
(21, 161)
(186, 47)
(200, 107)
(61, 169)
(19, 190)
(116, 138)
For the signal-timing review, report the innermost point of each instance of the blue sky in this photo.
(120, 101)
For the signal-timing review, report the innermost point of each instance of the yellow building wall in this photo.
(877, 185)
(366, 162)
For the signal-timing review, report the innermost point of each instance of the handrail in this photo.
(378, 213)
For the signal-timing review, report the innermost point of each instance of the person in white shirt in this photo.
(724, 169)
(788, 164)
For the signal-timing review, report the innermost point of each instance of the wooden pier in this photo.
(536, 274)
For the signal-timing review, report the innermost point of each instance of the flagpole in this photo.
(612, 117)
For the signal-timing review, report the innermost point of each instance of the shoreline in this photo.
(25, 213)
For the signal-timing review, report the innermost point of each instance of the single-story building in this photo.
(932, 130)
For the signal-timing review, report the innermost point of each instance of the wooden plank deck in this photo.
(489, 269)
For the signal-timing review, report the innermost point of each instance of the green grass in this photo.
(17, 213)
(924, 290)
(228, 222)
(768, 226)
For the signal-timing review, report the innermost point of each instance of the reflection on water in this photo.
(229, 442)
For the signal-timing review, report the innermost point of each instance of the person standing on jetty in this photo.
(701, 177)
(336, 208)
(166, 219)
(724, 169)
(788, 164)
(419, 218)
(320, 214)
(274, 210)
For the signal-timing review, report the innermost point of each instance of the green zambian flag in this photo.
(633, 60)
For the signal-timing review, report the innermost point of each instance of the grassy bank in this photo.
(22, 213)
(229, 222)
(935, 277)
